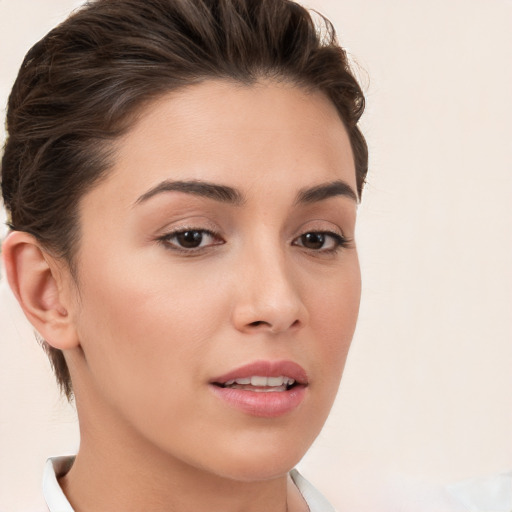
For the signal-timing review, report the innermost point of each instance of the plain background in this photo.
(426, 395)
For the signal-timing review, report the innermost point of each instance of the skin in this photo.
(146, 327)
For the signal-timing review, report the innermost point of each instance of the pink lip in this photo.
(263, 404)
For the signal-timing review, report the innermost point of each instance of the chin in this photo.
(260, 461)
(258, 470)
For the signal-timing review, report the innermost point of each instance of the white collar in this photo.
(52, 492)
(57, 501)
(315, 500)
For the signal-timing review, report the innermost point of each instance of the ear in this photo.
(39, 283)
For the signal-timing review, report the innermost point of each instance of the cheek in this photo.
(145, 338)
(333, 318)
(131, 320)
(141, 291)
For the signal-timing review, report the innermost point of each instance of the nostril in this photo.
(273, 328)
(257, 323)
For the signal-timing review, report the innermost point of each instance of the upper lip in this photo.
(265, 369)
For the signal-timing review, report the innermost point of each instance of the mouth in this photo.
(260, 384)
(263, 388)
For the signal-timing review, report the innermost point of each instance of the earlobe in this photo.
(37, 283)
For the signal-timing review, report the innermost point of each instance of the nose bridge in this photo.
(268, 297)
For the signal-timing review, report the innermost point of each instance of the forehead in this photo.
(234, 134)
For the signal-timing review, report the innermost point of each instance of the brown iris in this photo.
(189, 239)
(313, 240)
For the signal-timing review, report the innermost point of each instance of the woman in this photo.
(182, 180)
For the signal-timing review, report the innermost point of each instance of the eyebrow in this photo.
(230, 195)
(221, 193)
(326, 191)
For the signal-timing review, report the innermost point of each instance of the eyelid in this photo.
(327, 228)
(320, 226)
(340, 242)
(167, 236)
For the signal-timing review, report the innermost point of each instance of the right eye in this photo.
(191, 240)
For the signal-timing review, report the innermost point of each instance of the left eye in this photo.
(320, 241)
(189, 239)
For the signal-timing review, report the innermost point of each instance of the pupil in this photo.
(313, 240)
(190, 239)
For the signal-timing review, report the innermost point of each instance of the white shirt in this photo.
(57, 501)
(491, 493)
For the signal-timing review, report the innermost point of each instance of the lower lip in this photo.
(263, 404)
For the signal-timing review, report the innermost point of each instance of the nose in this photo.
(268, 296)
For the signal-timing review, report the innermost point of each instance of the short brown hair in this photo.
(79, 87)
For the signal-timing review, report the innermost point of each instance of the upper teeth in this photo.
(262, 381)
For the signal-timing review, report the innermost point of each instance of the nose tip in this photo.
(273, 306)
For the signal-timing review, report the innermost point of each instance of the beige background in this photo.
(426, 396)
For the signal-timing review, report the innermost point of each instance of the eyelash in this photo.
(167, 240)
(339, 241)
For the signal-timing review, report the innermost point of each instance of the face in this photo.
(218, 276)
